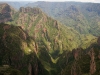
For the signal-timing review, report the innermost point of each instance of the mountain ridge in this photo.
(89, 24)
(35, 44)
(46, 30)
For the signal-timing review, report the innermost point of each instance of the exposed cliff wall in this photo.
(5, 13)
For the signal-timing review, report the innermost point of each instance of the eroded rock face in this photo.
(56, 25)
(5, 13)
(22, 9)
(29, 9)
(23, 35)
(92, 61)
(76, 53)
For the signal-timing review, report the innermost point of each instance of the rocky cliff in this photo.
(5, 13)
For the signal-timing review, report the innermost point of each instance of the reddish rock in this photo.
(76, 53)
(5, 13)
(92, 61)
(36, 48)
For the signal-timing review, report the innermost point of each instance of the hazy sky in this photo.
(95, 1)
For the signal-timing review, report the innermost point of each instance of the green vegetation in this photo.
(35, 44)
(83, 17)
(6, 70)
(48, 32)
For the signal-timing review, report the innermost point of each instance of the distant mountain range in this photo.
(83, 17)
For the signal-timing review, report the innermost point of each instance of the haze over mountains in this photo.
(83, 17)
(65, 42)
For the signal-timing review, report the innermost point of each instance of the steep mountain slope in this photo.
(80, 62)
(18, 51)
(83, 17)
(49, 33)
(35, 44)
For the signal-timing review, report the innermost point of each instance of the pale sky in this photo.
(95, 1)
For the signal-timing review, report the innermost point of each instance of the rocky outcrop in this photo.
(22, 9)
(5, 11)
(92, 61)
(23, 35)
(29, 9)
(76, 53)
(56, 25)
(25, 10)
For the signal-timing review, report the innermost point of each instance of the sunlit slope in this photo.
(48, 32)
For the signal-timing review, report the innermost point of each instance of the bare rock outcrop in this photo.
(5, 11)
(76, 53)
(92, 61)
(29, 9)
